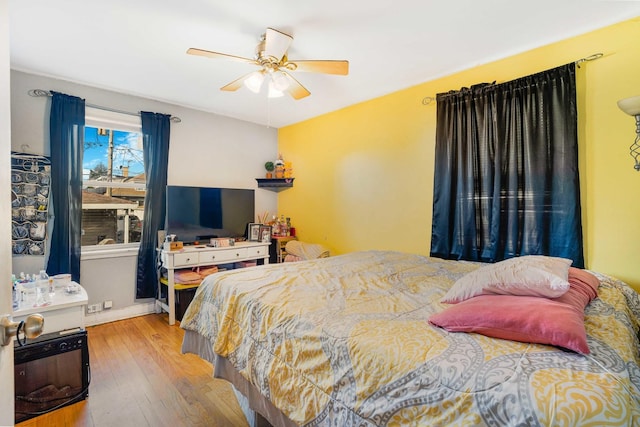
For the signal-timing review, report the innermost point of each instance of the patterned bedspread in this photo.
(345, 341)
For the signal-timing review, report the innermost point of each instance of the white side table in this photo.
(66, 311)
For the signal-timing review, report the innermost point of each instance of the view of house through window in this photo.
(113, 187)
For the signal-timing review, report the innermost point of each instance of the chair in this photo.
(301, 251)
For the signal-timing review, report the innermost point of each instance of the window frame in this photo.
(115, 121)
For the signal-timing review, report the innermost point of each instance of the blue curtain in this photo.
(66, 128)
(155, 134)
(506, 170)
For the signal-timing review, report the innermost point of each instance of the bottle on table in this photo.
(44, 285)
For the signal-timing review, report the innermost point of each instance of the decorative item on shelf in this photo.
(279, 164)
(262, 218)
(631, 106)
(171, 244)
(288, 170)
(221, 242)
(254, 232)
(284, 230)
(265, 233)
(270, 167)
(275, 227)
(280, 227)
(283, 175)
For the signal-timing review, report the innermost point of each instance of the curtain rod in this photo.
(429, 99)
(589, 58)
(41, 93)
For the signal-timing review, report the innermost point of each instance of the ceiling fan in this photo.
(271, 57)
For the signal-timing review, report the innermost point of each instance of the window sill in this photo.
(114, 251)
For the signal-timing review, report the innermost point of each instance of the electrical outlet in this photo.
(108, 304)
(94, 308)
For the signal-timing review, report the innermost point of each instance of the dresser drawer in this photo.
(186, 259)
(217, 256)
(258, 251)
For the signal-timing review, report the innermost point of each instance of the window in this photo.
(113, 178)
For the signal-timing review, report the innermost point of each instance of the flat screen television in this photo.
(196, 214)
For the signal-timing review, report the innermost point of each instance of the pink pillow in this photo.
(558, 321)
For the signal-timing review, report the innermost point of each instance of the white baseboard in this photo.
(111, 315)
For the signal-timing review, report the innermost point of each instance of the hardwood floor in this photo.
(140, 378)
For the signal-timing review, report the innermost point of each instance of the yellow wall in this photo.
(364, 174)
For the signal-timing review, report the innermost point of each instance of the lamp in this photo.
(277, 82)
(631, 106)
(273, 91)
(280, 81)
(254, 81)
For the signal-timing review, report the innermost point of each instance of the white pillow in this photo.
(529, 275)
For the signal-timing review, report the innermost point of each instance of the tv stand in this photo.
(198, 256)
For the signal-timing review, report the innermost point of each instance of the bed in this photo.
(346, 341)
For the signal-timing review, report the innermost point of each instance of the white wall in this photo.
(205, 150)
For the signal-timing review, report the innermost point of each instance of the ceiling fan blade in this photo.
(276, 43)
(209, 54)
(236, 84)
(295, 89)
(321, 66)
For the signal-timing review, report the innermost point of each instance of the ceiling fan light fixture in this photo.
(272, 57)
(254, 81)
(274, 92)
(280, 81)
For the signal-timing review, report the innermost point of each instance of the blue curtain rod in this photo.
(40, 93)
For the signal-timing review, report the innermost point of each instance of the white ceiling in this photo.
(138, 46)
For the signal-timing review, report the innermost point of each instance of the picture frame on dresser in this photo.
(265, 233)
(253, 235)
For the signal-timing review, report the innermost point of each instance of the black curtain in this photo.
(155, 139)
(66, 129)
(506, 170)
